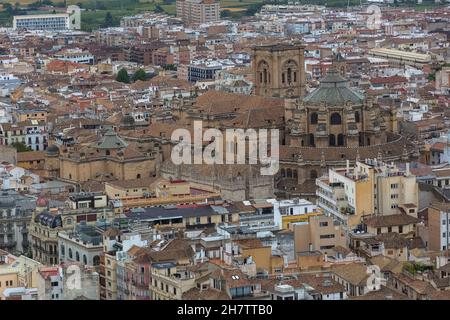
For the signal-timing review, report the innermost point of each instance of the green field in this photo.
(95, 11)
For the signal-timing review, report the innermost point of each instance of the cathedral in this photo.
(326, 127)
(319, 129)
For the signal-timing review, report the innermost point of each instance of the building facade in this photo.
(198, 11)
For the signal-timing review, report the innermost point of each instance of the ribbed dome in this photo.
(53, 150)
(334, 91)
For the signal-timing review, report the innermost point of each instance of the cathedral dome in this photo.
(334, 91)
(52, 150)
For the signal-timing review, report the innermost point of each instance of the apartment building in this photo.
(75, 55)
(84, 245)
(170, 274)
(439, 226)
(287, 212)
(370, 187)
(198, 11)
(318, 233)
(50, 22)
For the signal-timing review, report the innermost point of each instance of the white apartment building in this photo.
(370, 187)
(292, 211)
(75, 55)
(50, 22)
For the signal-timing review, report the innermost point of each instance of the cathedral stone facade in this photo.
(335, 115)
(329, 126)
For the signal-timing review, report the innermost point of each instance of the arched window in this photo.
(84, 259)
(313, 174)
(282, 78)
(335, 118)
(368, 141)
(340, 139)
(70, 253)
(96, 260)
(313, 118)
(289, 173)
(283, 173)
(289, 75)
(302, 143)
(138, 176)
(63, 250)
(70, 176)
(108, 152)
(77, 256)
(295, 174)
(311, 140)
(357, 117)
(332, 140)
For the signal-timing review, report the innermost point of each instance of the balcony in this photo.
(327, 197)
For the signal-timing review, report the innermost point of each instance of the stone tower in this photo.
(279, 70)
(340, 64)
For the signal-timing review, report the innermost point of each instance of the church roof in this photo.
(334, 90)
(111, 141)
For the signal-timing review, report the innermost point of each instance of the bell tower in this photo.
(279, 70)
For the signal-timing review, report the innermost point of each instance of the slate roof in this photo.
(111, 141)
(334, 90)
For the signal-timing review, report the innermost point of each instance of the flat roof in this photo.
(394, 53)
(42, 16)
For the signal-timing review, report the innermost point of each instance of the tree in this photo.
(158, 9)
(21, 147)
(109, 21)
(140, 75)
(122, 76)
(8, 8)
(225, 13)
(170, 67)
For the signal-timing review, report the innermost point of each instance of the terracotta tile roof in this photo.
(218, 102)
(384, 293)
(393, 240)
(387, 264)
(387, 80)
(354, 273)
(390, 220)
(438, 146)
(205, 294)
(320, 283)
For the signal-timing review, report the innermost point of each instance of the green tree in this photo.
(170, 67)
(109, 21)
(159, 9)
(225, 13)
(21, 147)
(122, 76)
(140, 75)
(8, 8)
